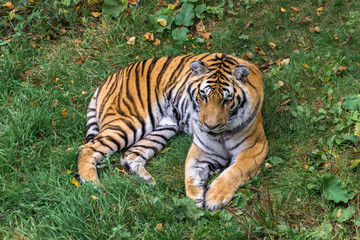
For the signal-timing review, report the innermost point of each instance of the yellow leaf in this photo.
(165, 150)
(77, 41)
(282, 9)
(75, 182)
(305, 65)
(171, 6)
(157, 42)
(131, 41)
(94, 197)
(68, 171)
(306, 166)
(95, 14)
(267, 165)
(294, 9)
(162, 22)
(64, 113)
(69, 149)
(320, 9)
(9, 5)
(12, 14)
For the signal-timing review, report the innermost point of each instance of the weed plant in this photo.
(53, 56)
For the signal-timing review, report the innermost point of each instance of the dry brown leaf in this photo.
(62, 31)
(57, 80)
(293, 19)
(205, 35)
(338, 213)
(131, 41)
(279, 26)
(285, 61)
(84, 92)
(33, 44)
(79, 61)
(64, 113)
(249, 55)
(294, 9)
(149, 36)
(341, 69)
(305, 65)
(200, 27)
(281, 83)
(272, 45)
(9, 5)
(258, 50)
(158, 227)
(161, 3)
(67, 150)
(77, 41)
(208, 45)
(336, 37)
(317, 29)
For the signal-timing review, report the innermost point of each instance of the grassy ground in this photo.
(52, 59)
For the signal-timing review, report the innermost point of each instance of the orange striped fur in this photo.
(214, 96)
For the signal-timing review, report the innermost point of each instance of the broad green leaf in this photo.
(199, 11)
(276, 160)
(352, 102)
(113, 8)
(180, 35)
(355, 164)
(332, 189)
(185, 16)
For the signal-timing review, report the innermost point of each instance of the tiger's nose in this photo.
(211, 127)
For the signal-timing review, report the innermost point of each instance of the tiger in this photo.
(216, 97)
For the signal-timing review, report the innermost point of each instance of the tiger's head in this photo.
(221, 97)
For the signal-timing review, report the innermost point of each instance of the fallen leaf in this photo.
(121, 170)
(336, 37)
(268, 165)
(53, 123)
(157, 42)
(131, 41)
(68, 171)
(294, 9)
(75, 182)
(358, 63)
(64, 113)
(95, 14)
(258, 50)
(338, 213)
(69, 149)
(317, 29)
(286, 101)
(158, 227)
(272, 45)
(208, 45)
(149, 36)
(305, 65)
(280, 83)
(282, 9)
(285, 61)
(279, 26)
(200, 27)
(162, 22)
(293, 19)
(62, 31)
(94, 197)
(79, 61)
(9, 5)
(342, 68)
(306, 166)
(165, 150)
(132, 2)
(205, 35)
(161, 3)
(320, 9)
(33, 44)
(77, 41)
(249, 55)
(171, 6)
(84, 92)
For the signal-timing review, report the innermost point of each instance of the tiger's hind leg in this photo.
(135, 159)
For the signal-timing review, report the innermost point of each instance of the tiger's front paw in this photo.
(219, 194)
(133, 163)
(195, 190)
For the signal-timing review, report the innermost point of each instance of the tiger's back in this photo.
(148, 102)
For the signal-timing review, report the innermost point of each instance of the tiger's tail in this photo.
(92, 128)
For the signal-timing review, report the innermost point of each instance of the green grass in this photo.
(309, 129)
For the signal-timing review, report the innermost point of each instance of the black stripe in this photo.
(160, 136)
(97, 151)
(156, 141)
(90, 125)
(243, 140)
(104, 144)
(146, 147)
(114, 141)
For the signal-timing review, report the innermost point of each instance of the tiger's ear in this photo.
(241, 72)
(197, 67)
